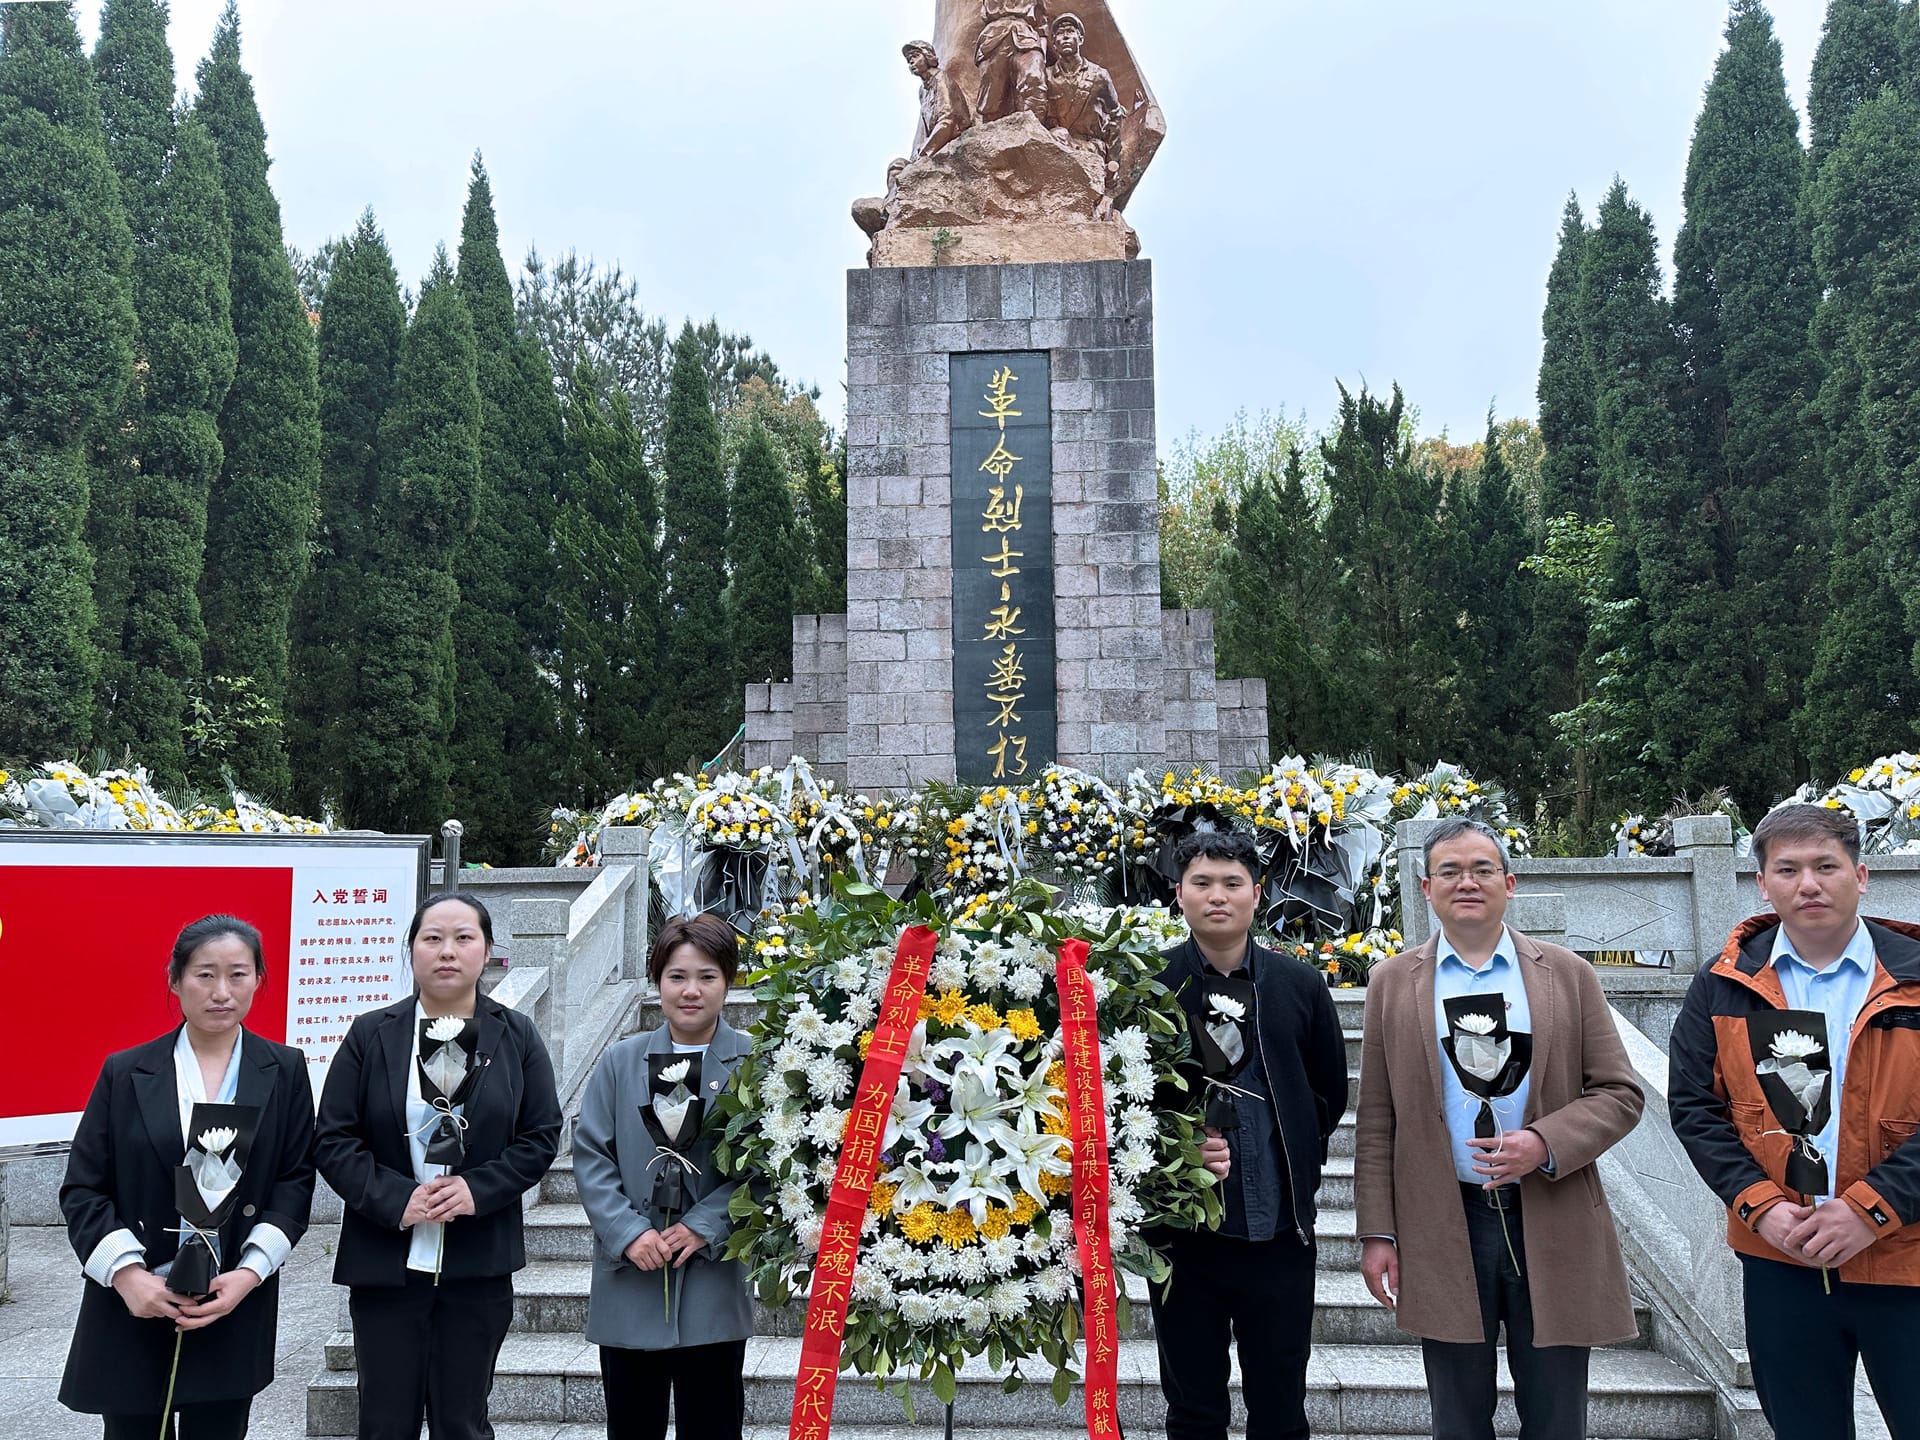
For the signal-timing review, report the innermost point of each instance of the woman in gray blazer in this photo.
(666, 1311)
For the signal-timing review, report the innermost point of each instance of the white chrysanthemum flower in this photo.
(1034, 1245)
(861, 1012)
(850, 975)
(886, 1254)
(825, 1168)
(1009, 1299)
(918, 1310)
(778, 1154)
(873, 1287)
(1133, 1162)
(445, 1028)
(913, 1265)
(1102, 985)
(807, 1233)
(827, 1125)
(795, 1205)
(1792, 1045)
(1002, 1254)
(828, 1078)
(951, 1304)
(841, 1033)
(1136, 1081)
(1025, 983)
(1475, 1023)
(783, 1128)
(1226, 1007)
(676, 1073)
(807, 1025)
(789, 1056)
(989, 967)
(1129, 1046)
(1056, 1282)
(948, 972)
(1139, 1125)
(1124, 1207)
(976, 1317)
(944, 1264)
(773, 1090)
(217, 1141)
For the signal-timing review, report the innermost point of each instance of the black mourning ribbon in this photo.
(671, 1162)
(447, 1141)
(1507, 1079)
(198, 1259)
(1783, 1086)
(1303, 889)
(730, 883)
(1216, 1069)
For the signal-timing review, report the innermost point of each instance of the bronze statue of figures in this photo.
(1012, 56)
(1082, 102)
(943, 109)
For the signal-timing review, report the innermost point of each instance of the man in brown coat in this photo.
(1491, 1080)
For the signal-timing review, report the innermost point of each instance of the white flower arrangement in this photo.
(676, 1073)
(60, 795)
(445, 1028)
(1475, 1023)
(969, 1234)
(1225, 1007)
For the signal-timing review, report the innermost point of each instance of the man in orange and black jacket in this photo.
(1831, 1262)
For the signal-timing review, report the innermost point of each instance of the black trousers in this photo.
(1805, 1345)
(1255, 1294)
(216, 1420)
(428, 1350)
(1549, 1381)
(709, 1396)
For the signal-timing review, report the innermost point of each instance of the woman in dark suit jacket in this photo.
(429, 1256)
(118, 1200)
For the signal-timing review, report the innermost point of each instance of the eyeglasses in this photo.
(1482, 874)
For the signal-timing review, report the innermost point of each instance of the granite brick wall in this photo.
(820, 694)
(1096, 321)
(769, 719)
(1242, 707)
(1193, 727)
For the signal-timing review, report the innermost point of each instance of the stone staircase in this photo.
(1365, 1381)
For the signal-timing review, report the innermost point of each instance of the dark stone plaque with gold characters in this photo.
(1004, 706)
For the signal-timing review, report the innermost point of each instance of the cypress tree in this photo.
(1859, 54)
(66, 350)
(1499, 710)
(504, 727)
(363, 322)
(398, 758)
(1744, 297)
(260, 510)
(1271, 608)
(700, 704)
(608, 596)
(826, 497)
(1568, 472)
(1684, 708)
(1867, 237)
(763, 557)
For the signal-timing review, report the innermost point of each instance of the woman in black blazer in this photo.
(121, 1216)
(428, 1255)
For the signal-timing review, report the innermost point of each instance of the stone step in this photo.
(1368, 1390)
(550, 1297)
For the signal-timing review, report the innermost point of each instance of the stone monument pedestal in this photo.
(1093, 321)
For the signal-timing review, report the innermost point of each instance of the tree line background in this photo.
(393, 556)
(483, 548)
(1698, 571)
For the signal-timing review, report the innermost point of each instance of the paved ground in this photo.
(36, 1325)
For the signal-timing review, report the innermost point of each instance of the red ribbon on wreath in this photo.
(1087, 1119)
(860, 1147)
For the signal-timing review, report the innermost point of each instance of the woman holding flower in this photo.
(439, 1113)
(666, 1311)
(136, 1335)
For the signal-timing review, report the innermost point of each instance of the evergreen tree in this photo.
(1744, 296)
(1685, 716)
(1867, 244)
(261, 507)
(1500, 713)
(363, 323)
(1859, 54)
(1382, 525)
(398, 757)
(1271, 613)
(608, 595)
(504, 727)
(1568, 472)
(826, 499)
(763, 556)
(700, 704)
(66, 350)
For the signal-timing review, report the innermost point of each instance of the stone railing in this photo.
(578, 967)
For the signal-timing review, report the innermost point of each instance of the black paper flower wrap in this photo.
(1215, 1030)
(1489, 1059)
(731, 884)
(1154, 877)
(450, 1066)
(205, 1186)
(1795, 1070)
(673, 1085)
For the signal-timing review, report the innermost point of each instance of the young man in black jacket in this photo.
(1250, 1282)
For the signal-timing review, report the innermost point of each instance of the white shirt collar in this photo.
(1859, 951)
(188, 1088)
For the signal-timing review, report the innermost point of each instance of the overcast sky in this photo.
(1363, 190)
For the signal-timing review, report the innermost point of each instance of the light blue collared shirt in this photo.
(1837, 992)
(1453, 977)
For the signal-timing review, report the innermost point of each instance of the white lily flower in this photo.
(908, 1116)
(445, 1028)
(981, 1178)
(919, 1180)
(982, 1054)
(1030, 1154)
(973, 1109)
